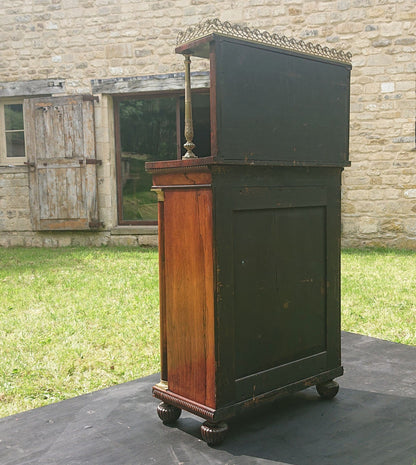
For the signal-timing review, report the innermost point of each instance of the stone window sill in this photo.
(134, 230)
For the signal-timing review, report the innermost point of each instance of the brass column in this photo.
(189, 128)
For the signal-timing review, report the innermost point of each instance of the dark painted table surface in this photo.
(372, 421)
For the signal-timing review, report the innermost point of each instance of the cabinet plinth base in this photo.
(214, 416)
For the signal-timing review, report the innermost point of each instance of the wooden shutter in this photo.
(60, 146)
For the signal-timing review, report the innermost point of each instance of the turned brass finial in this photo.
(189, 128)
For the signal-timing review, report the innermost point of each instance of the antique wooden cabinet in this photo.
(249, 235)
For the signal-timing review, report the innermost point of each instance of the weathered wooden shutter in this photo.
(60, 146)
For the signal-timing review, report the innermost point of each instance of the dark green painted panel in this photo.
(284, 224)
(282, 375)
(280, 282)
(280, 107)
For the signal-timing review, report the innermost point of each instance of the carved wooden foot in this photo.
(214, 433)
(328, 390)
(168, 413)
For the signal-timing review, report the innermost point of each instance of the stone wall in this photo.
(81, 40)
(14, 204)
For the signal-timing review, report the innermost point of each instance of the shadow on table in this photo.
(357, 427)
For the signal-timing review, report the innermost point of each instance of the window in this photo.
(150, 129)
(12, 138)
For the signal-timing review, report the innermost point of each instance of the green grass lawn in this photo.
(379, 293)
(74, 320)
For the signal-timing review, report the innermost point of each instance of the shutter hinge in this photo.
(91, 161)
(96, 224)
(29, 163)
(91, 98)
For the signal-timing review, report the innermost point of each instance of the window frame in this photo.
(179, 149)
(4, 159)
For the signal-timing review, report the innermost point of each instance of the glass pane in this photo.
(15, 144)
(147, 133)
(13, 117)
(201, 123)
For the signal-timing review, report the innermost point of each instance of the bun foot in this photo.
(328, 390)
(214, 433)
(168, 413)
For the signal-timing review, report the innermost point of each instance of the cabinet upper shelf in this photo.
(273, 100)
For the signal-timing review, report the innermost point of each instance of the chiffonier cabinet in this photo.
(249, 234)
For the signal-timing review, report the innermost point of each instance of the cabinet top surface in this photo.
(205, 163)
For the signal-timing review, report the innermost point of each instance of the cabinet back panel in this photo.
(276, 106)
(281, 316)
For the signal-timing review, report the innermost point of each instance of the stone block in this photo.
(379, 60)
(368, 225)
(148, 241)
(119, 51)
(410, 194)
(358, 194)
(347, 207)
(381, 43)
(124, 241)
(405, 41)
(409, 226)
(16, 241)
(317, 18)
(392, 225)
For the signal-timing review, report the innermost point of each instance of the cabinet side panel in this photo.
(189, 294)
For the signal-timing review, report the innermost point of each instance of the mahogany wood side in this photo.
(188, 276)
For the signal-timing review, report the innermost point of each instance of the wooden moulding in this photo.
(176, 180)
(227, 412)
(186, 404)
(186, 164)
(193, 164)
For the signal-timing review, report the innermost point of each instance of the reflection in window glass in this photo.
(15, 144)
(147, 133)
(14, 129)
(13, 117)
